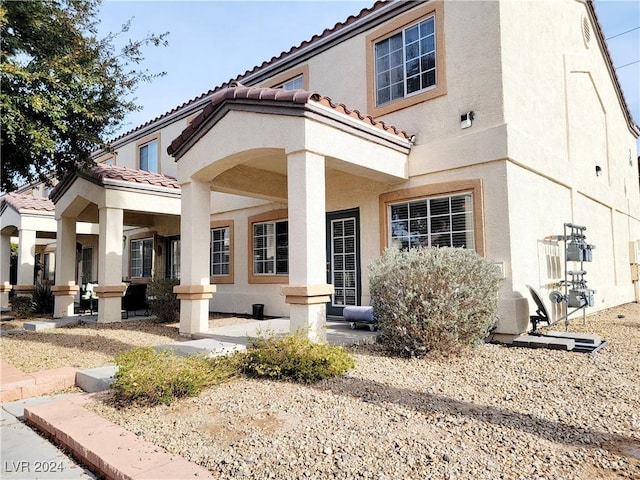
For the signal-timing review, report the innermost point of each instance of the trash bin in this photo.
(258, 311)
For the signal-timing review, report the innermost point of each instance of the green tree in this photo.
(63, 89)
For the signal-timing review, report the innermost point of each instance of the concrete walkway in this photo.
(338, 332)
(106, 448)
(27, 455)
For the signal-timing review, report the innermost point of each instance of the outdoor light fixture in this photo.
(466, 119)
(598, 170)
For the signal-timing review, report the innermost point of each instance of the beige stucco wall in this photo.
(564, 119)
(546, 113)
(127, 154)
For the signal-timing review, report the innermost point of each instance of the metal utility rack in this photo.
(576, 293)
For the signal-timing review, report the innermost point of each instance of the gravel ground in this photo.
(88, 345)
(496, 412)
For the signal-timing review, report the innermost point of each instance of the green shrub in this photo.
(148, 377)
(432, 299)
(164, 304)
(294, 357)
(22, 306)
(43, 299)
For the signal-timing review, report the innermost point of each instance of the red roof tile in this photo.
(102, 172)
(21, 202)
(238, 91)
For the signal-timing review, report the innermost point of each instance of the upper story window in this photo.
(405, 63)
(406, 59)
(148, 156)
(296, 83)
(293, 79)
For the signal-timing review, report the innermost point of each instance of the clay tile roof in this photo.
(21, 201)
(236, 91)
(102, 172)
(368, 119)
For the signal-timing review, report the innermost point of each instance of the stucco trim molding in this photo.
(109, 291)
(307, 294)
(23, 289)
(194, 292)
(64, 290)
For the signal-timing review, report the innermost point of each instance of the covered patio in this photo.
(111, 197)
(277, 145)
(30, 221)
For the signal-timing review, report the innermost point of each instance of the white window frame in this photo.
(138, 246)
(433, 230)
(146, 147)
(221, 247)
(429, 38)
(174, 258)
(295, 83)
(270, 251)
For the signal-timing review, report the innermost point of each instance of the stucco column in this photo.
(65, 288)
(110, 288)
(194, 290)
(307, 292)
(5, 263)
(26, 261)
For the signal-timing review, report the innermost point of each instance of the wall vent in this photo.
(586, 31)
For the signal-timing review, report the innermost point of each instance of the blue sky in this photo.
(211, 42)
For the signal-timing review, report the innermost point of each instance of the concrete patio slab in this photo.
(36, 326)
(96, 379)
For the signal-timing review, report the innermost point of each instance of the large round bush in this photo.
(432, 299)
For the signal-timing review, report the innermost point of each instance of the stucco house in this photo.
(485, 125)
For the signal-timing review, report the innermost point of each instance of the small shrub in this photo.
(164, 304)
(22, 306)
(432, 299)
(148, 377)
(43, 299)
(294, 357)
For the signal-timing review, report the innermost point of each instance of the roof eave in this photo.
(633, 126)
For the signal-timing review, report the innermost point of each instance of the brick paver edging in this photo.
(104, 447)
(17, 385)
